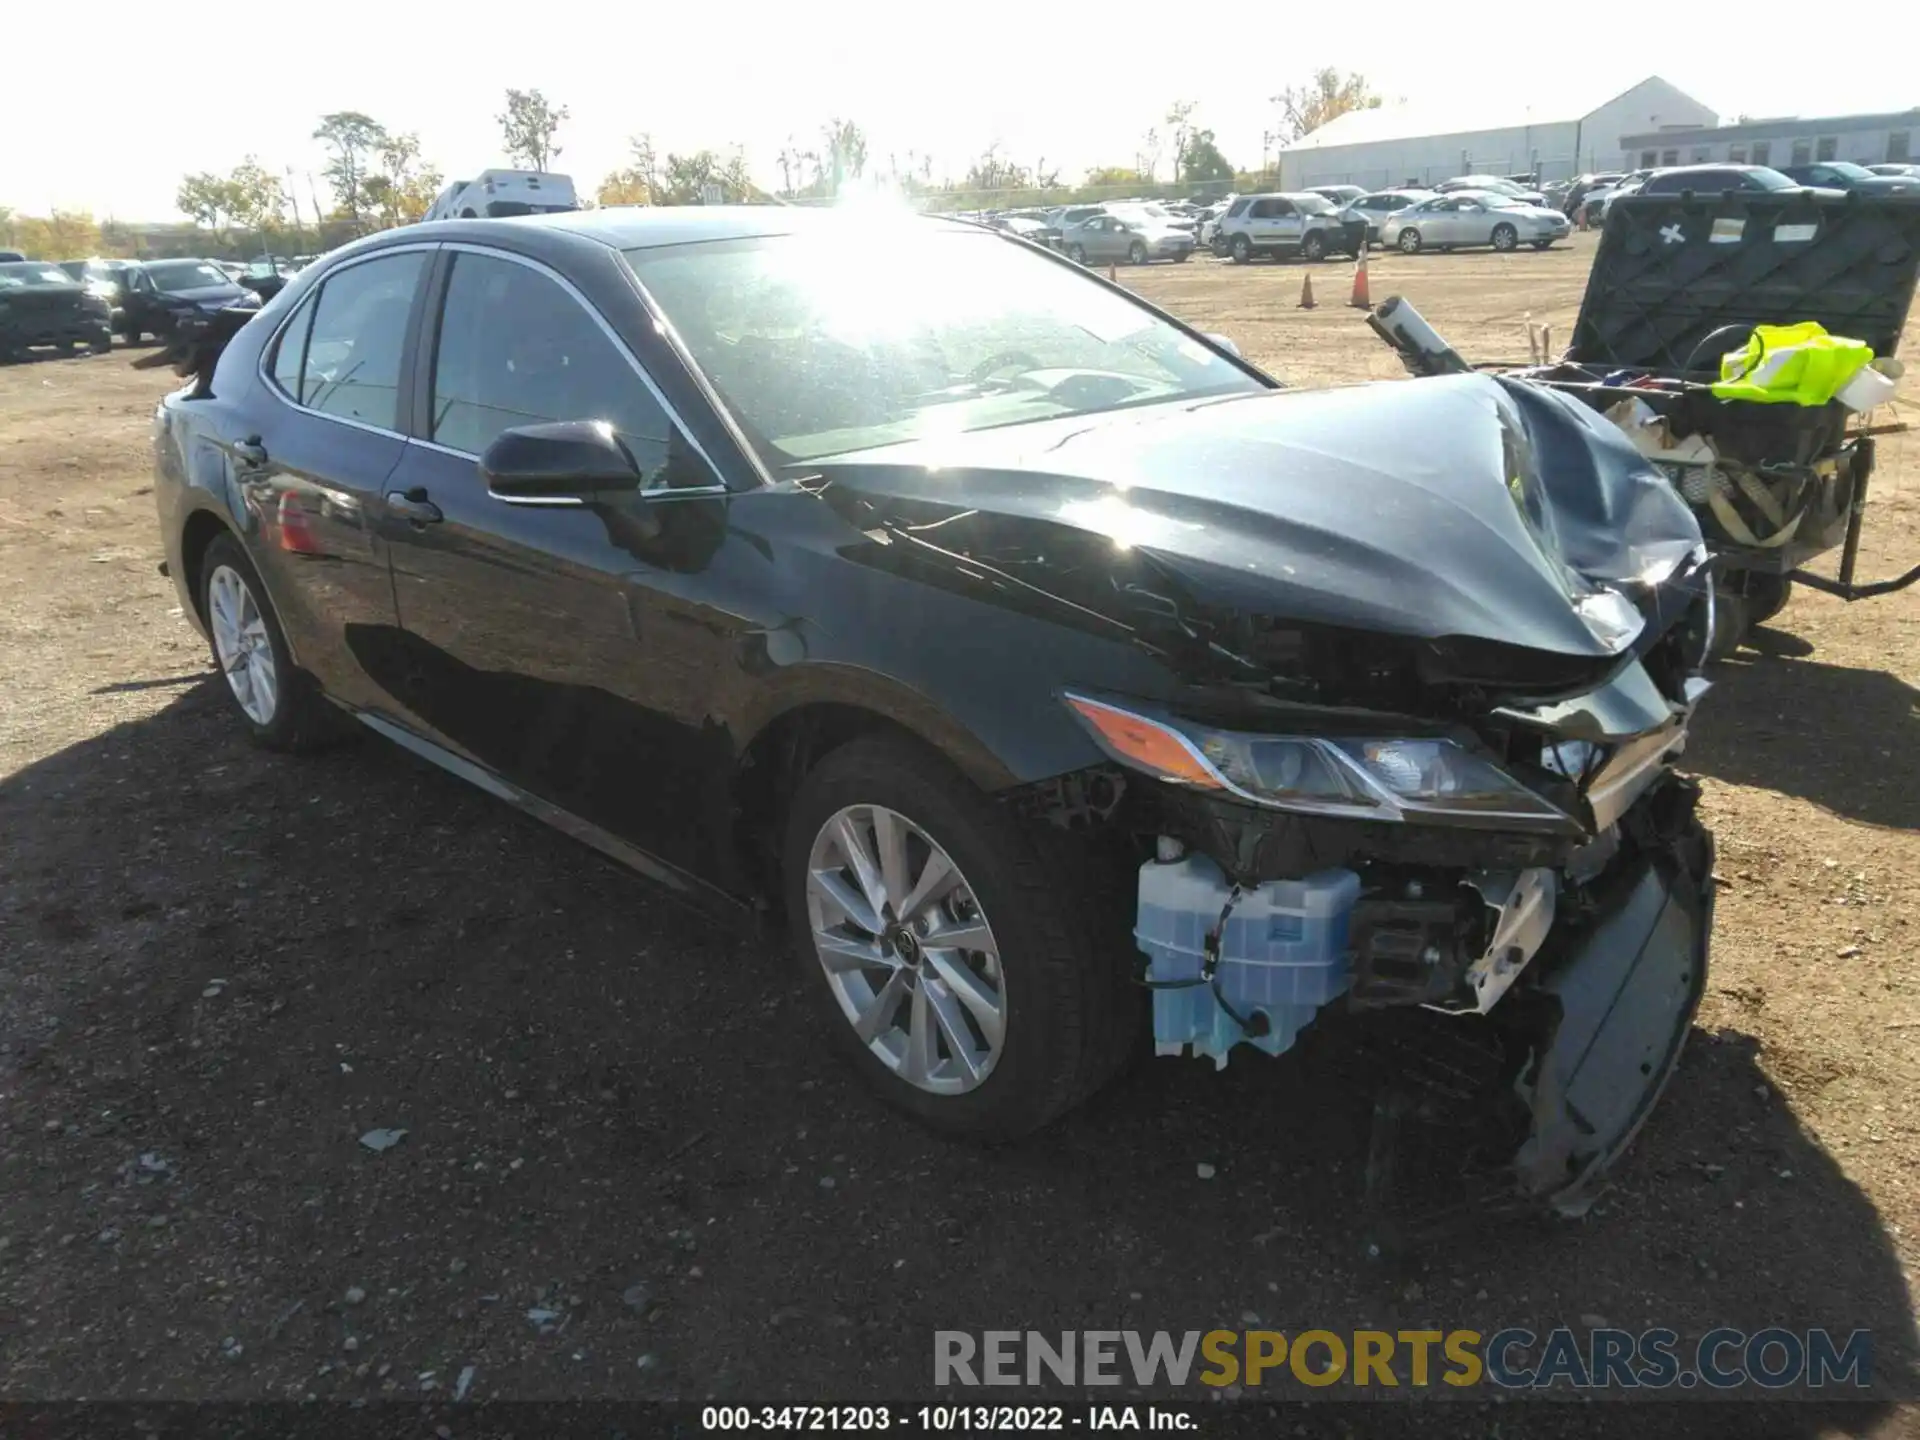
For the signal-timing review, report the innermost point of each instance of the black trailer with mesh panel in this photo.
(1678, 281)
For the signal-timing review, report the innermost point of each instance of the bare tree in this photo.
(1179, 123)
(1148, 159)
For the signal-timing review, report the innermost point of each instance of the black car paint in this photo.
(145, 308)
(1393, 558)
(685, 639)
(51, 314)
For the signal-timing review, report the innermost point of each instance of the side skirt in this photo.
(690, 888)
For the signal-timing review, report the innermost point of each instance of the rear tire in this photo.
(1070, 1015)
(280, 705)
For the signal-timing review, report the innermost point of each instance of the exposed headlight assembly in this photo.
(1363, 778)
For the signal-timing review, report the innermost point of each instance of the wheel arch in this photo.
(201, 528)
(790, 737)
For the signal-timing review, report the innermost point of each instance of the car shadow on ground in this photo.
(222, 967)
(1846, 739)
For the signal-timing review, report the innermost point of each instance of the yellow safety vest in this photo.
(1791, 365)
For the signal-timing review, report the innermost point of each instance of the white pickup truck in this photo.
(504, 192)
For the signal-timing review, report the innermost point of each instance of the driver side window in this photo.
(514, 348)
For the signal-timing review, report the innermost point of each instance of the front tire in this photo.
(1023, 1013)
(1136, 254)
(1410, 241)
(1314, 247)
(1542, 244)
(280, 705)
(1505, 237)
(1242, 250)
(1077, 254)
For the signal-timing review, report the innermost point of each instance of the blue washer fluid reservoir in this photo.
(1283, 953)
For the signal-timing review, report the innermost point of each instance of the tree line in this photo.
(376, 177)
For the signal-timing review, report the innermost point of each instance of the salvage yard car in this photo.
(1376, 208)
(157, 295)
(40, 304)
(1474, 217)
(1302, 224)
(991, 635)
(1133, 236)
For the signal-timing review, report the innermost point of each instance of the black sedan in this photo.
(158, 295)
(1022, 651)
(40, 304)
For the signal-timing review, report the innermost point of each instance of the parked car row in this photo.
(151, 297)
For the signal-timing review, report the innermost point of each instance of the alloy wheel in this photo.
(241, 642)
(906, 950)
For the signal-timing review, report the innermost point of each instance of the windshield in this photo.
(1494, 200)
(1849, 170)
(1772, 179)
(186, 274)
(820, 346)
(1314, 204)
(19, 275)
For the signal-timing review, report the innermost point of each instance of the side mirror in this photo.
(564, 463)
(1223, 342)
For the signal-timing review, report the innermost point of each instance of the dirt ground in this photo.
(218, 968)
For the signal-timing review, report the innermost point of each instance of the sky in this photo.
(1073, 86)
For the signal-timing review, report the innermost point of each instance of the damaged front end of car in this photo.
(1430, 652)
(1541, 877)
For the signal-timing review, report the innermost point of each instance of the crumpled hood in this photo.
(1458, 506)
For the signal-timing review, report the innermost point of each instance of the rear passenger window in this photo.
(359, 328)
(291, 353)
(516, 349)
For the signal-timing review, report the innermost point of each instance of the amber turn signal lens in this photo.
(1140, 742)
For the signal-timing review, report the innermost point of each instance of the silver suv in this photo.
(1305, 224)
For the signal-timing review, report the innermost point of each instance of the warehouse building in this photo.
(1467, 134)
(1863, 139)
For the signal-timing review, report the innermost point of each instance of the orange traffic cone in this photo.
(1359, 299)
(1306, 291)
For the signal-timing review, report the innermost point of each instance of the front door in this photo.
(547, 640)
(1286, 226)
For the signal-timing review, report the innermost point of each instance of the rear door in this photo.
(547, 640)
(312, 459)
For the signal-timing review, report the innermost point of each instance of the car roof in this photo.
(638, 227)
